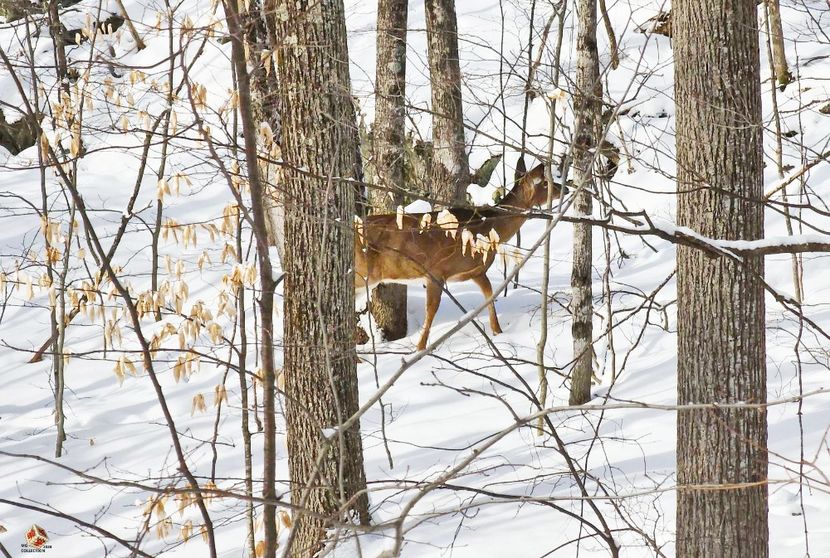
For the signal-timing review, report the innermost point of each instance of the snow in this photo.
(469, 400)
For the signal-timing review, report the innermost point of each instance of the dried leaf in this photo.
(219, 395)
(119, 371)
(162, 188)
(359, 230)
(198, 404)
(164, 527)
(178, 369)
(75, 145)
(483, 245)
(467, 238)
(187, 530)
(448, 223)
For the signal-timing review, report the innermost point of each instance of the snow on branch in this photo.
(642, 224)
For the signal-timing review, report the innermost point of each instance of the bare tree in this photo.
(779, 54)
(266, 276)
(721, 454)
(389, 300)
(259, 35)
(588, 111)
(450, 165)
(320, 146)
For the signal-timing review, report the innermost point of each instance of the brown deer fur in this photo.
(385, 252)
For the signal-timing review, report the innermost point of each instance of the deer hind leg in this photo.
(434, 290)
(483, 283)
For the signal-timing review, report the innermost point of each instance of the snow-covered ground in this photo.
(517, 498)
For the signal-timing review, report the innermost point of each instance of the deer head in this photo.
(532, 190)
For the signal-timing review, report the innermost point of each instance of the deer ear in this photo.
(521, 168)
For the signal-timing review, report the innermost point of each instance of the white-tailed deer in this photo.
(456, 244)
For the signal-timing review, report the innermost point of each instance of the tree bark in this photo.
(779, 54)
(12, 10)
(721, 337)
(20, 135)
(319, 135)
(57, 37)
(450, 174)
(588, 111)
(259, 30)
(266, 275)
(389, 301)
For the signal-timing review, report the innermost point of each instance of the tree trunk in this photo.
(60, 49)
(389, 301)
(266, 275)
(588, 111)
(388, 307)
(319, 135)
(450, 166)
(20, 135)
(779, 55)
(259, 29)
(12, 10)
(720, 315)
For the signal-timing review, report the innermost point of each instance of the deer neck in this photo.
(514, 204)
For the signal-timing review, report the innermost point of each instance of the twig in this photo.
(139, 44)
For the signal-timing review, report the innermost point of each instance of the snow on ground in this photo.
(515, 498)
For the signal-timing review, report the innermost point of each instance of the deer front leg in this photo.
(434, 290)
(483, 283)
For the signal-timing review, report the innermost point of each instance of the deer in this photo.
(453, 245)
